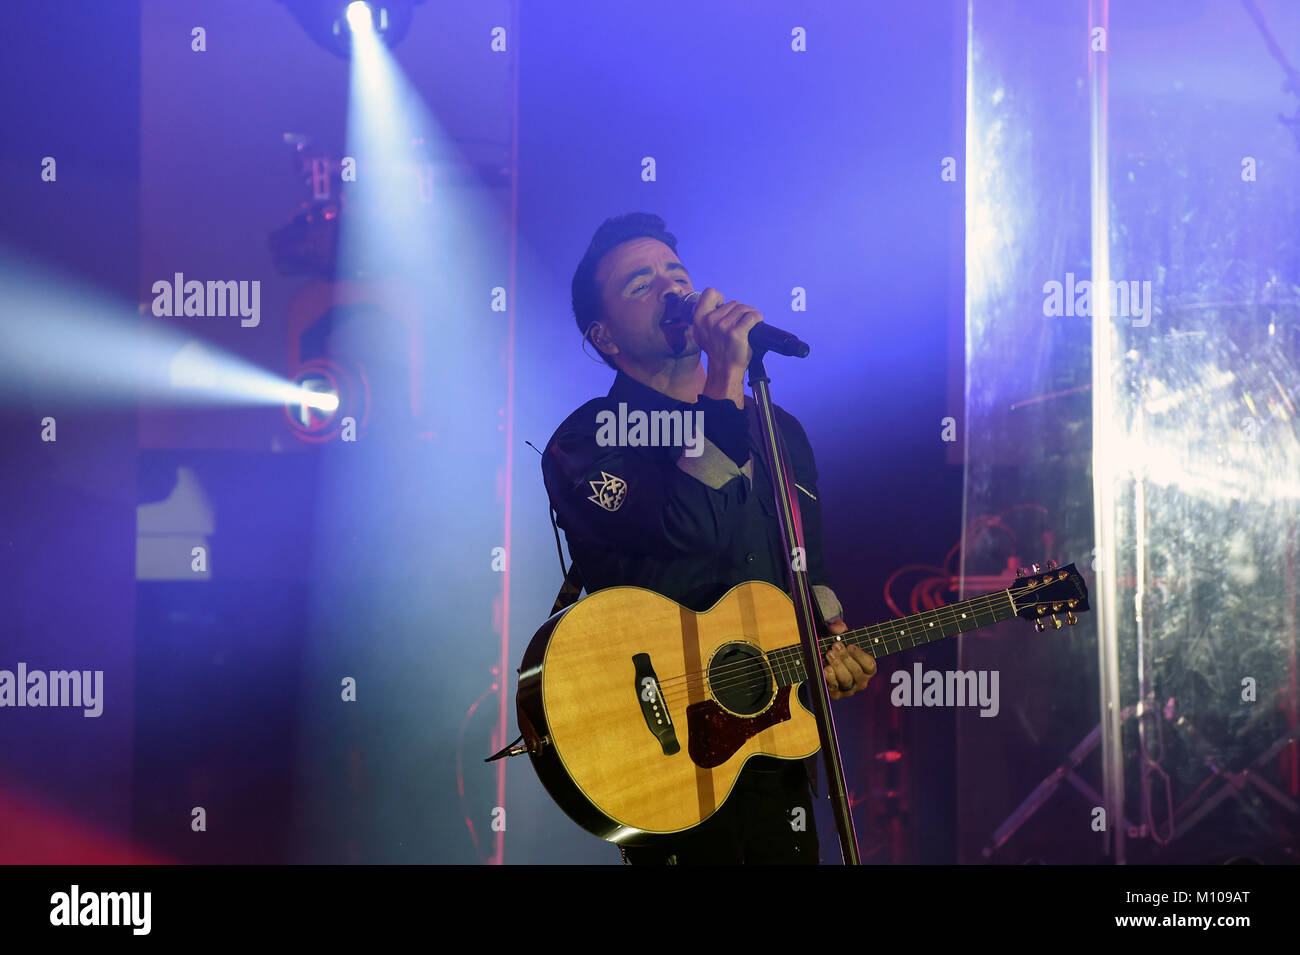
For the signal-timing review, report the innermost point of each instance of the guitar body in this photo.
(640, 713)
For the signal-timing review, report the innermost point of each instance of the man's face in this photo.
(635, 279)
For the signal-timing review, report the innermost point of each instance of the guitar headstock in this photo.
(1050, 590)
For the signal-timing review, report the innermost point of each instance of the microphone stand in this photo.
(778, 466)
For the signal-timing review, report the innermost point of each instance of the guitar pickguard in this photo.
(715, 734)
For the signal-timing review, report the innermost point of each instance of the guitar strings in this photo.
(945, 614)
(754, 669)
(753, 665)
(746, 670)
(749, 670)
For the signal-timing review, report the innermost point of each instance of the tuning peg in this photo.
(1020, 572)
(1037, 567)
(1071, 619)
(1039, 626)
(1051, 565)
(1056, 622)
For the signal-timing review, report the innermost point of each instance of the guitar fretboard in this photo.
(882, 639)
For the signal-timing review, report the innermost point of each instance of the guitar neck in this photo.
(882, 639)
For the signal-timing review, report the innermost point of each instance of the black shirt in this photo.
(686, 522)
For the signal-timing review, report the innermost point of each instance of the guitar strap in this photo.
(571, 589)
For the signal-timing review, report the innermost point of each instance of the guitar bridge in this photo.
(653, 706)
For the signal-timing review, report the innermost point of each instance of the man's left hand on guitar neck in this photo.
(850, 668)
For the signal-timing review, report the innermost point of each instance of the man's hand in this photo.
(722, 331)
(850, 668)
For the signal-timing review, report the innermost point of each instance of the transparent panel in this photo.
(1193, 213)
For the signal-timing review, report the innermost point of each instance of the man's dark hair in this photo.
(615, 231)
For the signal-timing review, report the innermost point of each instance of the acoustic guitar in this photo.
(638, 714)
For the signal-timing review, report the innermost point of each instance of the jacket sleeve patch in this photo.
(610, 491)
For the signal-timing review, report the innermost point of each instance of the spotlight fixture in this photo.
(326, 394)
(359, 16)
(332, 23)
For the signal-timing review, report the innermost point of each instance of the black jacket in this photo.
(688, 523)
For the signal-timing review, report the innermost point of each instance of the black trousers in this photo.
(767, 820)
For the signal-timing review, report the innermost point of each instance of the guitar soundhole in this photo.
(740, 679)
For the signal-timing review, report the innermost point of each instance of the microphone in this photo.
(762, 337)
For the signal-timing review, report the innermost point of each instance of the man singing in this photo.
(689, 526)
